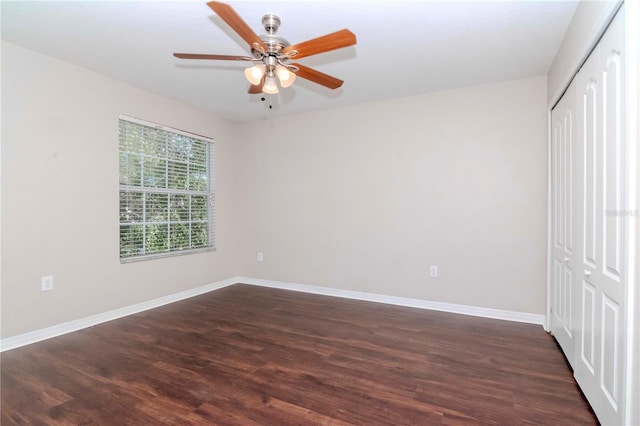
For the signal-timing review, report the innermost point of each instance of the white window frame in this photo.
(209, 192)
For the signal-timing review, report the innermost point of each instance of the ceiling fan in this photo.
(272, 53)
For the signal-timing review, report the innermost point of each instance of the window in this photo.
(166, 191)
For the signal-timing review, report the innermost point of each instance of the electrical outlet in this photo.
(260, 256)
(46, 283)
(433, 271)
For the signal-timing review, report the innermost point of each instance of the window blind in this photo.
(167, 191)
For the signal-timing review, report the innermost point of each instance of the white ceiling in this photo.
(404, 47)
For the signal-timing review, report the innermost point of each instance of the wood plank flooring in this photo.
(248, 355)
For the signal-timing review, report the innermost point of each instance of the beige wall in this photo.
(60, 194)
(361, 198)
(365, 198)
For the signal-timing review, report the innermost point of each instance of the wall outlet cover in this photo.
(46, 283)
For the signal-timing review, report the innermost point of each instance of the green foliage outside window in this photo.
(165, 191)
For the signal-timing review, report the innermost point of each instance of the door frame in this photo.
(631, 412)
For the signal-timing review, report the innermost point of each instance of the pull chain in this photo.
(263, 99)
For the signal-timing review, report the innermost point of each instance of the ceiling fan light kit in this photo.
(255, 73)
(285, 76)
(270, 86)
(272, 53)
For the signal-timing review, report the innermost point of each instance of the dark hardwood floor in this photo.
(250, 355)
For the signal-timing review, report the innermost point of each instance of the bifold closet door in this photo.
(588, 227)
(600, 199)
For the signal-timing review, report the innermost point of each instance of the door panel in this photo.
(562, 226)
(613, 165)
(610, 347)
(600, 148)
(589, 131)
(568, 302)
(557, 291)
(587, 342)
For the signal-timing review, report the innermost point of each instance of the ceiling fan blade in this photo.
(256, 88)
(234, 20)
(215, 57)
(337, 40)
(318, 77)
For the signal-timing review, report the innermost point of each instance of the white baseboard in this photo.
(75, 325)
(537, 319)
(68, 327)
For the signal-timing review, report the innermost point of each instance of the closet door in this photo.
(598, 363)
(564, 255)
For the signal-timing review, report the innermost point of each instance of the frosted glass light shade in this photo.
(285, 76)
(254, 74)
(270, 85)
